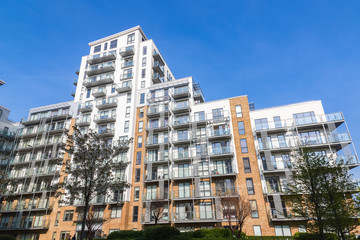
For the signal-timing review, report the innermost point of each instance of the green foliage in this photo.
(269, 238)
(6, 237)
(160, 232)
(212, 233)
(127, 234)
(314, 236)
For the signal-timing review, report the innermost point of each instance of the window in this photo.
(136, 193)
(135, 213)
(105, 46)
(282, 230)
(97, 49)
(68, 215)
(261, 124)
(141, 112)
(199, 116)
(64, 235)
(138, 158)
(218, 113)
(142, 84)
(250, 186)
(131, 38)
(254, 209)
(247, 167)
(113, 88)
(126, 126)
(113, 44)
(257, 230)
(143, 73)
(127, 112)
(144, 61)
(139, 141)
(57, 218)
(142, 98)
(144, 50)
(115, 212)
(205, 189)
(128, 98)
(238, 111)
(141, 126)
(302, 228)
(304, 118)
(277, 122)
(243, 144)
(241, 128)
(137, 175)
(88, 93)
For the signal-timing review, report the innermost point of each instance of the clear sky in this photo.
(276, 52)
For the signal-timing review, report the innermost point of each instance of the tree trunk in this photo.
(84, 219)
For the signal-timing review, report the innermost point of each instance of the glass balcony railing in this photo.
(219, 132)
(126, 76)
(127, 64)
(221, 150)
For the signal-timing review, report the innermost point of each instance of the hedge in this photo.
(160, 232)
(6, 237)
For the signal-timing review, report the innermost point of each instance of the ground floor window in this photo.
(257, 230)
(282, 230)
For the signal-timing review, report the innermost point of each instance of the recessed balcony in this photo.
(94, 59)
(99, 92)
(127, 51)
(106, 103)
(100, 69)
(124, 87)
(84, 108)
(100, 119)
(95, 81)
(157, 78)
(158, 68)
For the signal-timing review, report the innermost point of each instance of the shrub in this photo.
(212, 233)
(127, 234)
(160, 232)
(6, 237)
(269, 238)
(314, 236)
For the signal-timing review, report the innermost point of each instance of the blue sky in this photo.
(276, 52)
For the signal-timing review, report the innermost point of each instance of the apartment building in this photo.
(186, 155)
(7, 136)
(280, 130)
(34, 166)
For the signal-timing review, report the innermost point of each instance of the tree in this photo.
(156, 211)
(93, 222)
(235, 210)
(91, 171)
(318, 189)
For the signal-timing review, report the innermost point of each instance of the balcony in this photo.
(348, 160)
(196, 216)
(182, 195)
(99, 69)
(25, 225)
(127, 51)
(180, 123)
(37, 207)
(106, 103)
(23, 161)
(179, 139)
(127, 64)
(157, 57)
(84, 108)
(154, 142)
(83, 122)
(224, 170)
(336, 118)
(73, 92)
(120, 162)
(96, 81)
(180, 107)
(5, 133)
(182, 156)
(199, 120)
(154, 177)
(276, 145)
(99, 92)
(106, 133)
(155, 196)
(100, 119)
(158, 159)
(219, 152)
(158, 68)
(75, 82)
(31, 120)
(157, 126)
(126, 76)
(156, 110)
(216, 134)
(94, 59)
(180, 92)
(157, 78)
(218, 118)
(124, 87)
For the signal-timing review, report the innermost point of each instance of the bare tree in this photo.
(91, 171)
(94, 222)
(156, 211)
(235, 210)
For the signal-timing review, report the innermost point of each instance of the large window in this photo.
(218, 113)
(247, 167)
(261, 124)
(241, 128)
(184, 190)
(205, 189)
(250, 186)
(135, 213)
(238, 111)
(304, 118)
(68, 215)
(205, 210)
(254, 209)
(282, 230)
(137, 175)
(115, 212)
(310, 138)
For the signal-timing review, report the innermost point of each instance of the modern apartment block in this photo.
(7, 136)
(186, 155)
